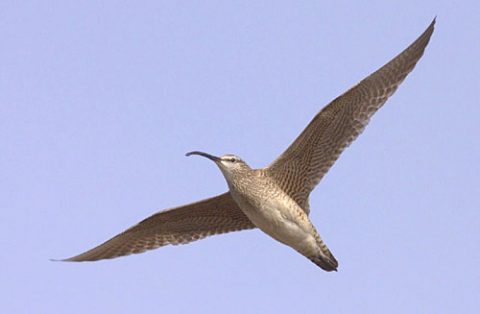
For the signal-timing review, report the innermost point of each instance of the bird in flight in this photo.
(273, 199)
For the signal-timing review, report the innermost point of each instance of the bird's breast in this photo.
(276, 215)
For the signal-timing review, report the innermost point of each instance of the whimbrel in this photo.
(274, 198)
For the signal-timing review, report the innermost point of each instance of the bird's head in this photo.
(229, 164)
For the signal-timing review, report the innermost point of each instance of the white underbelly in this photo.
(281, 224)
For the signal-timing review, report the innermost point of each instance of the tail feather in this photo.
(325, 263)
(324, 258)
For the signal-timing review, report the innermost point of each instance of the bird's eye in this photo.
(233, 159)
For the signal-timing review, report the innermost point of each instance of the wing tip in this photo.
(429, 31)
(69, 259)
(432, 24)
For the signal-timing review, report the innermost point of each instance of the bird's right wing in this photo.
(180, 225)
(299, 169)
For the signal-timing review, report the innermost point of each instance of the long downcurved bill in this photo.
(211, 157)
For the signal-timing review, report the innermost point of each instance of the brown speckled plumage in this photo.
(179, 225)
(274, 198)
(301, 167)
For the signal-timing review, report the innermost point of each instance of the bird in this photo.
(275, 198)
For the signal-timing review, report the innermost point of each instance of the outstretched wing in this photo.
(219, 214)
(301, 167)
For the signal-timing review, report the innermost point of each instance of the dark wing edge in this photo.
(180, 225)
(304, 163)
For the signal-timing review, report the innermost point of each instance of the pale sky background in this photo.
(99, 102)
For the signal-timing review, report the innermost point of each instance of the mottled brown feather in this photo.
(301, 167)
(219, 214)
(297, 171)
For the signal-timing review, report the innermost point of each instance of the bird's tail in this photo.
(324, 258)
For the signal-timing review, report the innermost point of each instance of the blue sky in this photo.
(99, 102)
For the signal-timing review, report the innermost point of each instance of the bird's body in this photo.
(275, 198)
(274, 212)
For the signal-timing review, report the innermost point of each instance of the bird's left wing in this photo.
(299, 169)
(184, 224)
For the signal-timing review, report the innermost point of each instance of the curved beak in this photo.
(211, 157)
